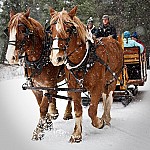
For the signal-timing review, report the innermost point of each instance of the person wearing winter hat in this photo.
(128, 42)
(91, 29)
(135, 37)
(90, 26)
(106, 29)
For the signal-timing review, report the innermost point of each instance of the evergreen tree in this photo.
(132, 15)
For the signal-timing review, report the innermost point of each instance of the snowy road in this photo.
(19, 114)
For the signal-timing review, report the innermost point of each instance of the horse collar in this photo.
(85, 65)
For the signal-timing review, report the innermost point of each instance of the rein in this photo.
(43, 60)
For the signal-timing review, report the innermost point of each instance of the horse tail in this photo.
(120, 40)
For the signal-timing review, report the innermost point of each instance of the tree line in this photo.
(131, 15)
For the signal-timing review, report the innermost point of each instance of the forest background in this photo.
(131, 15)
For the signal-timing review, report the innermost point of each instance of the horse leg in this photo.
(53, 111)
(68, 111)
(38, 95)
(92, 111)
(107, 102)
(45, 122)
(76, 135)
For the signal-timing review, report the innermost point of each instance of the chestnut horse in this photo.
(93, 66)
(26, 40)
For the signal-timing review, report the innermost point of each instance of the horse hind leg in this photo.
(53, 111)
(107, 102)
(68, 112)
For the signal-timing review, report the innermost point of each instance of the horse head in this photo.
(21, 32)
(68, 34)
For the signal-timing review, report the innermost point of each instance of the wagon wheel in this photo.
(135, 91)
(85, 101)
(126, 100)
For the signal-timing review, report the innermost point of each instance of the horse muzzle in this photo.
(57, 61)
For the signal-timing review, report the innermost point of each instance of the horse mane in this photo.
(62, 17)
(30, 23)
(81, 28)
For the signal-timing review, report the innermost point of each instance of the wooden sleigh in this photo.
(134, 74)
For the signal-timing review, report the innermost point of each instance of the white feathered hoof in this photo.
(45, 124)
(38, 134)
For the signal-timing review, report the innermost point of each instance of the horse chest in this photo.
(41, 83)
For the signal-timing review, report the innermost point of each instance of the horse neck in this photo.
(36, 47)
(76, 50)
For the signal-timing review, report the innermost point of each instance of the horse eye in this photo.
(73, 28)
(6, 31)
(23, 31)
(68, 30)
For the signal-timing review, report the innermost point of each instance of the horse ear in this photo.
(12, 13)
(52, 11)
(27, 13)
(73, 12)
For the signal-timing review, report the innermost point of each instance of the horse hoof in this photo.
(75, 139)
(38, 137)
(102, 125)
(99, 124)
(46, 123)
(68, 117)
(38, 134)
(54, 116)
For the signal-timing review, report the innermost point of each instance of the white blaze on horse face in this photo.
(10, 55)
(55, 56)
(58, 26)
(55, 50)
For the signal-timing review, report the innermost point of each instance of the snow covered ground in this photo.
(19, 114)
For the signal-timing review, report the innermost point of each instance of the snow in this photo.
(19, 114)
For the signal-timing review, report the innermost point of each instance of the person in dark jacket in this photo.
(106, 29)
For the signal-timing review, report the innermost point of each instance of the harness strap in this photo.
(12, 43)
(107, 67)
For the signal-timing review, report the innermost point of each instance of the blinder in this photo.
(6, 32)
(28, 31)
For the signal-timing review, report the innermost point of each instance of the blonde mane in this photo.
(62, 17)
(30, 23)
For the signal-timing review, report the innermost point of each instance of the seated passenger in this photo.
(128, 42)
(134, 37)
(90, 29)
(106, 29)
(90, 26)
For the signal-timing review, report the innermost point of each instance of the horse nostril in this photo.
(13, 58)
(59, 59)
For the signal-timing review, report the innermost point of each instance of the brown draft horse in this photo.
(26, 38)
(93, 66)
